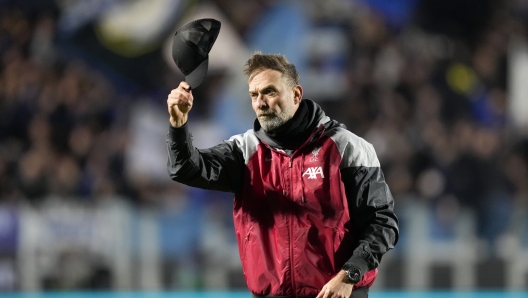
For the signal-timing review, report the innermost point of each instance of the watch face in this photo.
(353, 275)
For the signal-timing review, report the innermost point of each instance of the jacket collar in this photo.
(295, 131)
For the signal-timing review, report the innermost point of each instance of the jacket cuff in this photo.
(178, 134)
(357, 262)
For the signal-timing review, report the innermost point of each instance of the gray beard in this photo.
(271, 123)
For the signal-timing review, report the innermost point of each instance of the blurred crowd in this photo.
(427, 85)
(59, 133)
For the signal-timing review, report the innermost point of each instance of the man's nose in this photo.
(261, 101)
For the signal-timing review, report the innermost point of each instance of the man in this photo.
(312, 212)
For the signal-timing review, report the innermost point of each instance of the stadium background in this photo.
(439, 87)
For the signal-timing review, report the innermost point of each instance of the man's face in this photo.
(273, 99)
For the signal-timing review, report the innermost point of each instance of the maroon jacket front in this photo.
(300, 216)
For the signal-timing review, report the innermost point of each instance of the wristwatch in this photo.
(352, 275)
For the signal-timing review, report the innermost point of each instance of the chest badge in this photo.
(315, 152)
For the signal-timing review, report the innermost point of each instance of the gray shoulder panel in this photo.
(247, 143)
(354, 150)
(323, 120)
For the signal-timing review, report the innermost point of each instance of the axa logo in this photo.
(312, 172)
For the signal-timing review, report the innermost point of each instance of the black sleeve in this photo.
(372, 213)
(216, 168)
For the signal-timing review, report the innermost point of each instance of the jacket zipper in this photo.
(291, 237)
(290, 164)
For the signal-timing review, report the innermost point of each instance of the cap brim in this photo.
(197, 76)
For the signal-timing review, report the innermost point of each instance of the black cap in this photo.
(191, 46)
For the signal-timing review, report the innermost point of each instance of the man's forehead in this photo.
(263, 78)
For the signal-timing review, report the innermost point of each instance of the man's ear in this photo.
(297, 94)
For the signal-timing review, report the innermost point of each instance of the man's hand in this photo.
(179, 103)
(336, 287)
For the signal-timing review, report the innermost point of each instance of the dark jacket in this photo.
(308, 200)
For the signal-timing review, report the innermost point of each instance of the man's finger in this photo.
(176, 97)
(185, 86)
(174, 101)
(320, 295)
(327, 294)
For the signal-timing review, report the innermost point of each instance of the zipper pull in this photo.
(291, 161)
(302, 199)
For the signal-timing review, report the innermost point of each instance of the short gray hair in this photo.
(259, 62)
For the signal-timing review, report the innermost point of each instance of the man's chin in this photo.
(267, 126)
